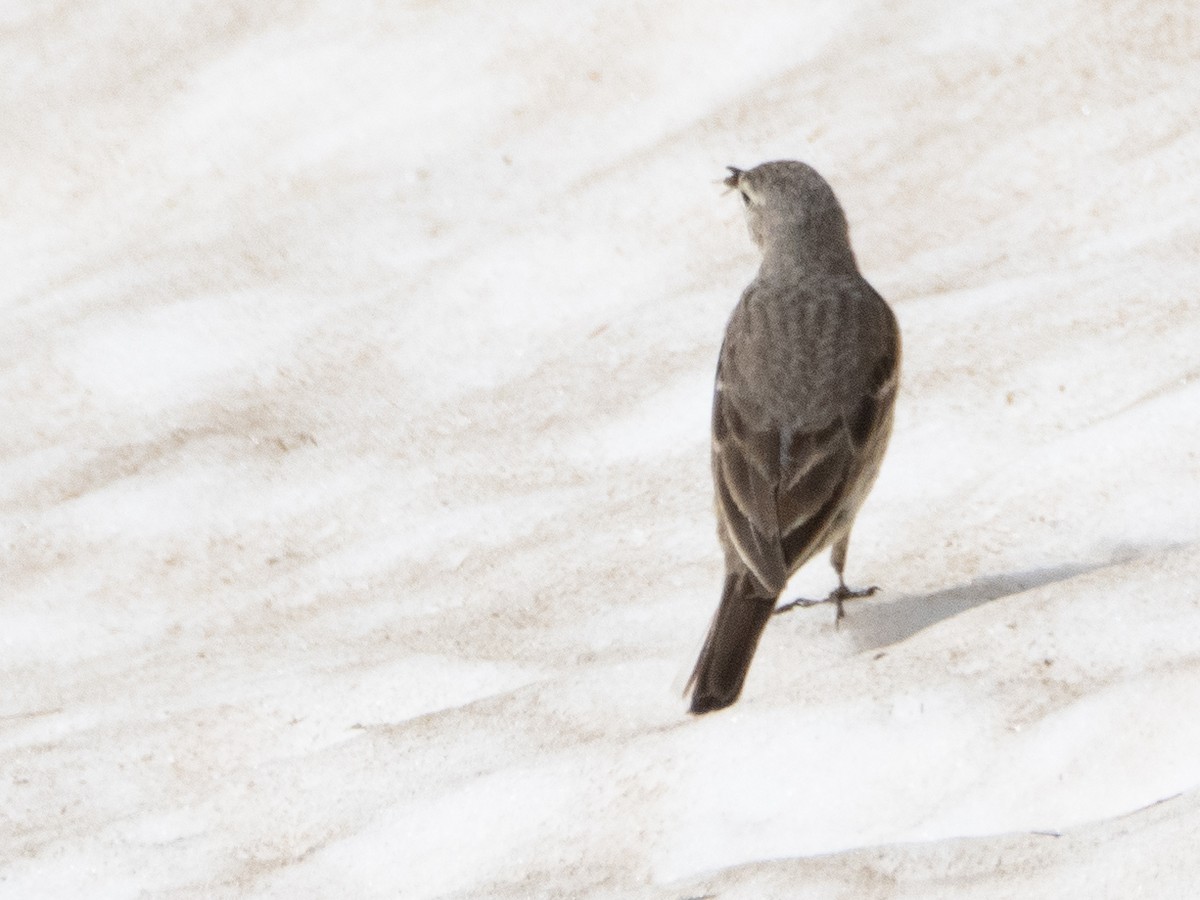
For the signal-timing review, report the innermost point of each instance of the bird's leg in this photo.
(839, 594)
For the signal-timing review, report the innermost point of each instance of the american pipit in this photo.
(802, 412)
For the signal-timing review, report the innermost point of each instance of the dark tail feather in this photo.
(732, 639)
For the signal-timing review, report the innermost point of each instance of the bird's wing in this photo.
(817, 473)
(821, 467)
(746, 472)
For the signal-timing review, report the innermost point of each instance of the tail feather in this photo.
(732, 639)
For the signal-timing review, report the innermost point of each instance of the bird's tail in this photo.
(732, 639)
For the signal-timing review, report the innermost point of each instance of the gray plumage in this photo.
(802, 412)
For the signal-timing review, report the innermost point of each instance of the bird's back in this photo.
(799, 354)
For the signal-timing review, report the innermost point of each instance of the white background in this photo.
(355, 517)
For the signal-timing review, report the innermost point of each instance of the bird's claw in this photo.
(801, 603)
(838, 595)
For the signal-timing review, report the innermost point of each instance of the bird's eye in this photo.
(745, 197)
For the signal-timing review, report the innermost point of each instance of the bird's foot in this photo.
(841, 594)
(838, 595)
(801, 603)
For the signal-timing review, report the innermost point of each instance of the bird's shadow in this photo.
(875, 626)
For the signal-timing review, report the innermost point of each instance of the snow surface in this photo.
(355, 511)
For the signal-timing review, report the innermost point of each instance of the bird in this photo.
(802, 412)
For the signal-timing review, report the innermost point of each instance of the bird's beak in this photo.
(734, 174)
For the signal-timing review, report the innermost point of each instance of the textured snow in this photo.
(355, 518)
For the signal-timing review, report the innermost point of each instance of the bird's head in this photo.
(788, 201)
